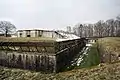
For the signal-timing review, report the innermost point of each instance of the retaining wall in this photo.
(47, 57)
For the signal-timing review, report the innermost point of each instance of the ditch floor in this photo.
(87, 58)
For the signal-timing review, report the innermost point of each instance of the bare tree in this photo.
(81, 30)
(78, 30)
(111, 25)
(118, 17)
(118, 25)
(84, 30)
(7, 28)
(75, 30)
(99, 28)
(106, 30)
(90, 30)
(102, 28)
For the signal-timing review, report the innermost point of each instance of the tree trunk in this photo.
(6, 33)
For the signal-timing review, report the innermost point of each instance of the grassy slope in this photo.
(30, 39)
(111, 44)
(93, 57)
(105, 72)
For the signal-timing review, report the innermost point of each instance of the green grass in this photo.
(92, 59)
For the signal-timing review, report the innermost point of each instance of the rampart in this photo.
(39, 56)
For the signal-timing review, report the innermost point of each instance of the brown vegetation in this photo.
(103, 72)
(27, 39)
(110, 49)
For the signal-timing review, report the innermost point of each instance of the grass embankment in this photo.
(92, 59)
(104, 72)
(110, 49)
(111, 44)
(27, 39)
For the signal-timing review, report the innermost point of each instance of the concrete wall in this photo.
(28, 60)
(47, 34)
(32, 34)
(39, 33)
(61, 56)
(67, 51)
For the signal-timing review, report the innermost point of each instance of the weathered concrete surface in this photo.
(25, 60)
(62, 55)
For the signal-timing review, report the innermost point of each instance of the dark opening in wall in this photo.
(20, 34)
(119, 55)
(28, 35)
(40, 35)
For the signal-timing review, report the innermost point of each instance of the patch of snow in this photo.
(89, 44)
(80, 59)
(92, 41)
(13, 36)
(68, 36)
(65, 39)
(84, 52)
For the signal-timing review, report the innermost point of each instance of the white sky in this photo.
(56, 14)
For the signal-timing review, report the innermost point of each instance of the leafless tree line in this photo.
(102, 28)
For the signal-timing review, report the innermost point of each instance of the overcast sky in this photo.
(56, 14)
